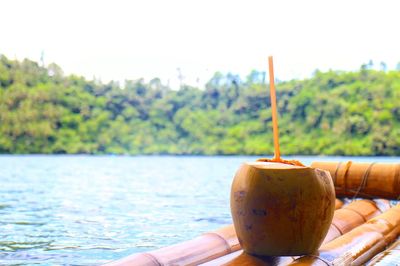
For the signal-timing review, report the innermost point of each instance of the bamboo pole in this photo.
(344, 219)
(353, 215)
(366, 180)
(338, 204)
(193, 252)
(360, 244)
(390, 256)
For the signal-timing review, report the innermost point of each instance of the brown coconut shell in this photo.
(281, 209)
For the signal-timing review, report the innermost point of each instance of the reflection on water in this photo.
(86, 210)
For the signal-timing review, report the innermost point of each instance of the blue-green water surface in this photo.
(88, 210)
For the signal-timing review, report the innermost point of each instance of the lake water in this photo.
(88, 210)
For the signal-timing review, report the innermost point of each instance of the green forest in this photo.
(332, 113)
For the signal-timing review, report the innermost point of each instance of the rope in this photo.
(397, 180)
(336, 172)
(348, 165)
(315, 257)
(364, 180)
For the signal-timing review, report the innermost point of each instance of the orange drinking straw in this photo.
(277, 156)
(277, 153)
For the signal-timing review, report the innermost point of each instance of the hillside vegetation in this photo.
(332, 113)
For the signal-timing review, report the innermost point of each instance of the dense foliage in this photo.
(343, 113)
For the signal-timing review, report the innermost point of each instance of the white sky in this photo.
(152, 38)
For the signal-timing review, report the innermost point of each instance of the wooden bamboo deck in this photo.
(362, 232)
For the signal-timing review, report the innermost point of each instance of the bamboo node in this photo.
(364, 180)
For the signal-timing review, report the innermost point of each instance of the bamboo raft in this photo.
(361, 229)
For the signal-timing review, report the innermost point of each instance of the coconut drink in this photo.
(281, 207)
